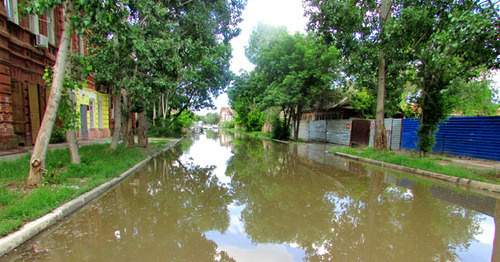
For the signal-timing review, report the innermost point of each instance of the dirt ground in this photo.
(472, 163)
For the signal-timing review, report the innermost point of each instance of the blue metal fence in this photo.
(476, 137)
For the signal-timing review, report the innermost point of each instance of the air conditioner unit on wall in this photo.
(41, 41)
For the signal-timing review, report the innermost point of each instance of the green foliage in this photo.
(186, 119)
(66, 113)
(362, 101)
(228, 124)
(211, 118)
(292, 73)
(280, 130)
(58, 135)
(476, 97)
(173, 53)
(255, 120)
(160, 131)
(173, 128)
(441, 49)
(354, 28)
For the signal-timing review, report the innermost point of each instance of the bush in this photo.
(280, 129)
(255, 120)
(160, 131)
(228, 124)
(172, 128)
(58, 135)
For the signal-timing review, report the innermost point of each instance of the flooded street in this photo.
(225, 198)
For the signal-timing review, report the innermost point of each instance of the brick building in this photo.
(27, 45)
(226, 114)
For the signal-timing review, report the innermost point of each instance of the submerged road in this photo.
(216, 197)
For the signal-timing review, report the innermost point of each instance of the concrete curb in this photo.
(31, 229)
(456, 180)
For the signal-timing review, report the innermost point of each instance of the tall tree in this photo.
(292, 72)
(37, 160)
(447, 45)
(380, 138)
(357, 28)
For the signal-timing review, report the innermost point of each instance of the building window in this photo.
(50, 27)
(99, 110)
(91, 113)
(34, 27)
(12, 11)
(81, 50)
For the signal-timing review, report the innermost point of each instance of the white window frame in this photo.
(11, 8)
(81, 50)
(34, 25)
(51, 26)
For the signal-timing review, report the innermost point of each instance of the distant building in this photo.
(226, 114)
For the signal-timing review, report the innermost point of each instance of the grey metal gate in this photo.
(317, 130)
(83, 120)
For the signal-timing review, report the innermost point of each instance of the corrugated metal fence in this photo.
(339, 131)
(477, 137)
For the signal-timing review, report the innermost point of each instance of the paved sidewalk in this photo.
(472, 163)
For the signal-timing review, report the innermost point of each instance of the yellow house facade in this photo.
(93, 107)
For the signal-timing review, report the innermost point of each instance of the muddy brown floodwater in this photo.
(216, 197)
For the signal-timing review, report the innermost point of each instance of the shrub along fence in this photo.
(476, 137)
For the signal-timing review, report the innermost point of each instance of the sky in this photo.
(289, 13)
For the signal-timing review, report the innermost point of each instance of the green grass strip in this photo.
(62, 182)
(428, 163)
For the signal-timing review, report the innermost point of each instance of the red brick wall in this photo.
(20, 60)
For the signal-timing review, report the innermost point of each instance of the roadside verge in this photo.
(456, 180)
(31, 229)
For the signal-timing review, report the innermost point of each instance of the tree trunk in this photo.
(70, 134)
(154, 113)
(143, 130)
(128, 136)
(37, 161)
(298, 116)
(130, 129)
(118, 122)
(380, 138)
(73, 146)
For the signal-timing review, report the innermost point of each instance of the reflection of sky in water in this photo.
(481, 249)
(238, 246)
(207, 152)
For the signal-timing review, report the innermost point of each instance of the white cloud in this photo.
(289, 13)
(260, 253)
(488, 231)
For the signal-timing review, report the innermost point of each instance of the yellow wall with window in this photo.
(83, 97)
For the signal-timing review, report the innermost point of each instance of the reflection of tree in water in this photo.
(284, 204)
(159, 214)
(388, 224)
(211, 134)
(348, 218)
